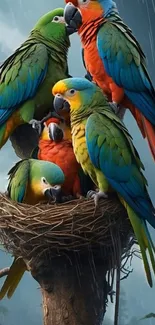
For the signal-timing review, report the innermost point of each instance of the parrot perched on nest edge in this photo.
(27, 76)
(115, 60)
(104, 148)
(31, 181)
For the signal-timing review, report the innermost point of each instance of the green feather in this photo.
(143, 242)
(19, 177)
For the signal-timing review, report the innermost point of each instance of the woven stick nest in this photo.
(37, 232)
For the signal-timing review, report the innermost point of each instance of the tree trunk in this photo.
(74, 293)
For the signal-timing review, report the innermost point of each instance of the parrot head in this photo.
(32, 181)
(76, 95)
(52, 26)
(52, 130)
(45, 179)
(81, 12)
(55, 129)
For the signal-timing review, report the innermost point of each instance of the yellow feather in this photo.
(16, 272)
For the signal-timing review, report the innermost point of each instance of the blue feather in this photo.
(125, 178)
(131, 77)
(145, 102)
(21, 194)
(13, 94)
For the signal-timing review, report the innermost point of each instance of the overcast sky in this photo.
(17, 17)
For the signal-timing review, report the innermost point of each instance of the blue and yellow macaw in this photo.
(104, 148)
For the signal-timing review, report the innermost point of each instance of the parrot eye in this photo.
(71, 92)
(44, 180)
(56, 187)
(81, 2)
(56, 19)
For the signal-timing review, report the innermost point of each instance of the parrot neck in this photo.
(88, 31)
(58, 51)
(109, 8)
(98, 103)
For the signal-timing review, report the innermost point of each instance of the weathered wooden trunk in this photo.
(74, 292)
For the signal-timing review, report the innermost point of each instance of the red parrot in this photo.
(115, 60)
(55, 145)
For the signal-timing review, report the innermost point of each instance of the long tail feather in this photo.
(149, 130)
(144, 240)
(16, 272)
(136, 114)
(146, 128)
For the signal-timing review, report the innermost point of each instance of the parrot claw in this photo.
(96, 196)
(36, 125)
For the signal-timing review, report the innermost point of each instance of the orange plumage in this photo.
(61, 153)
(92, 19)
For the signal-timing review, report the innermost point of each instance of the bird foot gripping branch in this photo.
(97, 196)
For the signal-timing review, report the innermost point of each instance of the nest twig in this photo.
(34, 232)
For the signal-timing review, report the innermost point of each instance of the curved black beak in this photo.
(60, 103)
(72, 16)
(55, 132)
(54, 194)
(70, 30)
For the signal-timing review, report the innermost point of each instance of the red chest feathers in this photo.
(62, 155)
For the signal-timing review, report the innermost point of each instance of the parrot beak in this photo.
(53, 194)
(55, 132)
(72, 16)
(60, 103)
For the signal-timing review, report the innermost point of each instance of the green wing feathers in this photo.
(18, 176)
(21, 76)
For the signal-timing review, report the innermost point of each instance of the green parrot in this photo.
(104, 148)
(31, 181)
(28, 75)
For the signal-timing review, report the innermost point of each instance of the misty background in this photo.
(17, 17)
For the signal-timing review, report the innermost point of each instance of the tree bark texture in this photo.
(73, 293)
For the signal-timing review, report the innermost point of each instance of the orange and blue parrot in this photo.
(115, 60)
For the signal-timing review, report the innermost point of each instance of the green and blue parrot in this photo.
(27, 76)
(31, 182)
(115, 60)
(104, 148)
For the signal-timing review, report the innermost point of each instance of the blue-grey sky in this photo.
(17, 17)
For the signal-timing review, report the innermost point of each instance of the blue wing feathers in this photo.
(145, 102)
(132, 77)
(126, 179)
(21, 86)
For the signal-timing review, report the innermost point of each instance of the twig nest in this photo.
(37, 232)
